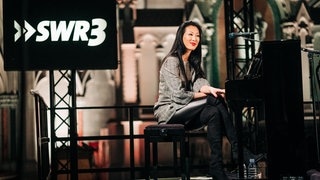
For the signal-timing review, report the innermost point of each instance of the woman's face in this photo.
(191, 37)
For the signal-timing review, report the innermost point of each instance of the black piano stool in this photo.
(174, 133)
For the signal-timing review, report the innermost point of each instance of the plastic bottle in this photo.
(252, 169)
(244, 171)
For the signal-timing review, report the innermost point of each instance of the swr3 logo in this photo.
(62, 31)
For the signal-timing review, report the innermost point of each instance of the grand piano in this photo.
(278, 92)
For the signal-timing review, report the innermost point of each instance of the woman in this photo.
(186, 97)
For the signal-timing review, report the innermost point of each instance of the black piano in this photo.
(278, 91)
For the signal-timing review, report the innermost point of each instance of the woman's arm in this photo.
(172, 82)
(199, 95)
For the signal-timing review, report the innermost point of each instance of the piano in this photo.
(278, 91)
(246, 92)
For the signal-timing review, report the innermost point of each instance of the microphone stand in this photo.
(313, 93)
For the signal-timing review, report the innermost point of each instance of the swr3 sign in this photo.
(60, 34)
(61, 31)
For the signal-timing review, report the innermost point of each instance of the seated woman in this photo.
(186, 97)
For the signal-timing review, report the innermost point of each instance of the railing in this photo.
(131, 137)
(43, 143)
(43, 139)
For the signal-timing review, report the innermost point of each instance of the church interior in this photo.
(90, 123)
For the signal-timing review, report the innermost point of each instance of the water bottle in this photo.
(252, 169)
(244, 171)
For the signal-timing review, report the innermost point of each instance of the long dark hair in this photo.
(178, 49)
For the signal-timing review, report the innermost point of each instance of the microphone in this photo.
(233, 35)
(310, 50)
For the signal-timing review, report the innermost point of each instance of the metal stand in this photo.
(61, 102)
(313, 92)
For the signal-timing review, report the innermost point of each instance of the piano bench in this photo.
(155, 134)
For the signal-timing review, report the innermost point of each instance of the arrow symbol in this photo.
(27, 30)
(19, 31)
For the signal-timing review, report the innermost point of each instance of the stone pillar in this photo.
(130, 77)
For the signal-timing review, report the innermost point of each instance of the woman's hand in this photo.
(212, 90)
(217, 92)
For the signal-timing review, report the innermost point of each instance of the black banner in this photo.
(60, 34)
